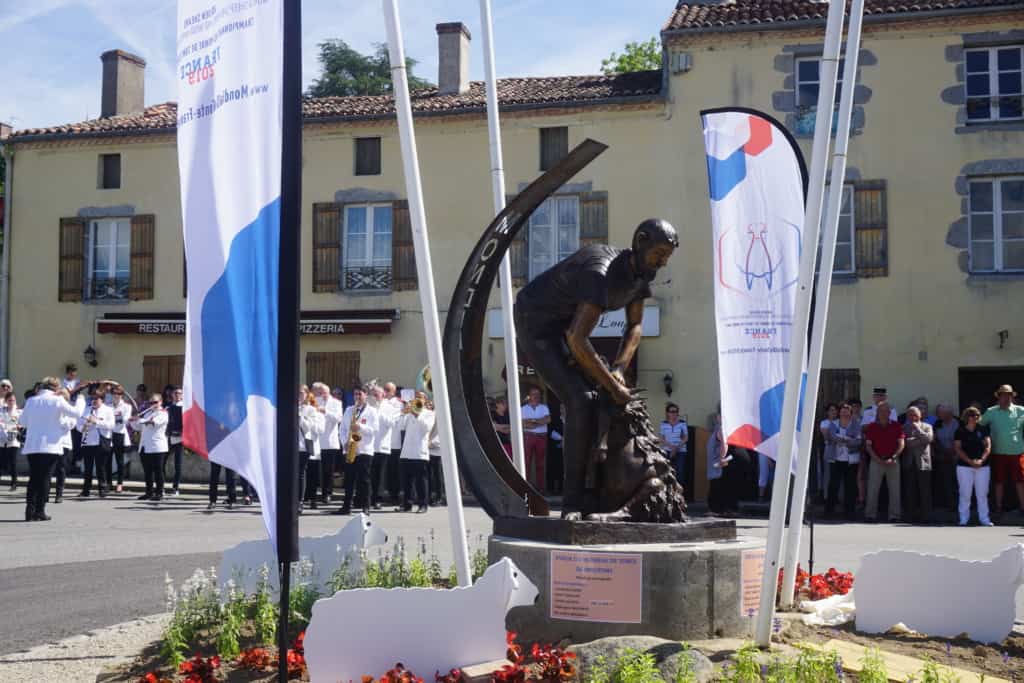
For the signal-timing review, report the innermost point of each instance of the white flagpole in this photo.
(428, 298)
(515, 410)
(824, 290)
(801, 314)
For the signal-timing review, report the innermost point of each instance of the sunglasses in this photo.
(673, 412)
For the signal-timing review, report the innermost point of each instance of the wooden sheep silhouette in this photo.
(243, 562)
(367, 630)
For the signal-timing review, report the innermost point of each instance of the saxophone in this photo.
(354, 438)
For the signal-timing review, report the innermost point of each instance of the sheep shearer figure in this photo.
(614, 469)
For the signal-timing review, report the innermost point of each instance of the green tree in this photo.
(644, 56)
(348, 72)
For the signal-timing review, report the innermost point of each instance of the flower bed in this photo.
(820, 586)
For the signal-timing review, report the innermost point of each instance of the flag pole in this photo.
(801, 315)
(428, 296)
(288, 303)
(515, 404)
(824, 290)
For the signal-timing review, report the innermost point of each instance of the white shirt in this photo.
(389, 435)
(869, 415)
(9, 425)
(334, 410)
(368, 421)
(434, 446)
(70, 384)
(122, 414)
(47, 419)
(101, 427)
(397, 424)
(417, 435)
(536, 413)
(67, 424)
(843, 454)
(154, 430)
(311, 427)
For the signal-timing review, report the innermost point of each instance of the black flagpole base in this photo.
(285, 570)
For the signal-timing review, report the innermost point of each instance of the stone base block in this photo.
(686, 591)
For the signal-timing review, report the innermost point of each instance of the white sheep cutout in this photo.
(366, 631)
(939, 595)
(242, 563)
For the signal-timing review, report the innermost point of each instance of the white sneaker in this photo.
(987, 523)
(962, 524)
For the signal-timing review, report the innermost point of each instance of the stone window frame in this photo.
(957, 94)
(958, 234)
(784, 100)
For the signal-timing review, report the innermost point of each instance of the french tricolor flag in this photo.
(229, 158)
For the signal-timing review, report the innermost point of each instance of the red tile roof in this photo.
(755, 14)
(513, 94)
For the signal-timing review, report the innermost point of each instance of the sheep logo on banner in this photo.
(927, 593)
(428, 629)
(243, 562)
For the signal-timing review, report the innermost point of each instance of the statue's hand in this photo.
(620, 393)
(619, 376)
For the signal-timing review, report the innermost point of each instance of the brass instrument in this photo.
(354, 437)
(417, 405)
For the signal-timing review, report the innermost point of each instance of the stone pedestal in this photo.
(688, 590)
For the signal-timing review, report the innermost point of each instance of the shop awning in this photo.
(312, 323)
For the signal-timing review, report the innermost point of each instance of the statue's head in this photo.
(653, 243)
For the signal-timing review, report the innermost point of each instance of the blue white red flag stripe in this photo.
(229, 155)
(757, 185)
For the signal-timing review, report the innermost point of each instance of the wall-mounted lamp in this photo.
(90, 356)
(1003, 336)
(667, 379)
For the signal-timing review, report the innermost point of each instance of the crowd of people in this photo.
(384, 445)
(925, 460)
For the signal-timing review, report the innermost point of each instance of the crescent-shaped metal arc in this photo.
(492, 477)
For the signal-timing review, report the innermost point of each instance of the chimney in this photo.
(123, 83)
(453, 58)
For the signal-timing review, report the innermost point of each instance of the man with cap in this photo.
(1005, 420)
(878, 395)
(555, 315)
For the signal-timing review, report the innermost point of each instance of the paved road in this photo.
(100, 562)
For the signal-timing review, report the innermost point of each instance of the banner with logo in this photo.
(230, 71)
(757, 184)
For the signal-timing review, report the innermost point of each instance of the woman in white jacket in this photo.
(415, 456)
(311, 426)
(153, 446)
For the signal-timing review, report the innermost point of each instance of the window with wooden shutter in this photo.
(143, 247)
(554, 146)
(71, 273)
(336, 369)
(871, 228)
(327, 247)
(518, 253)
(403, 250)
(593, 218)
(367, 156)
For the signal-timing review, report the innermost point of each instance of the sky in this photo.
(51, 48)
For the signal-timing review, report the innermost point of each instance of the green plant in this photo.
(303, 594)
(631, 666)
(873, 668)
(478, 560)
(265, 612)
(745, 668)
(685, 672)
(932, 672)
(228, 635)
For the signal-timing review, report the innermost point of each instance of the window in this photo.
(808, 83)
(554, 232)
(993, 83)
(109, 259)
(367, 156)
(367, 247)
(554, 146)
(997, 224)
(109, 172)
(845, 261)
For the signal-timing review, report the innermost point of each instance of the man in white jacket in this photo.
(389, 411)
(361, 419)
(330, 443)
(96, 426)
(42, 419)
(415, 456)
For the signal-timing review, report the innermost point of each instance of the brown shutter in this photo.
(155, 372)
(176, 370)
(593, 218)
(870, 215)
(518, 253)
(327, 247)
(403, 250)
(140, 278)
(71, 273)
(333, 368)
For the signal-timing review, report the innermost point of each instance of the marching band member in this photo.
(152, 420)
(358, 432)
(70, 383)
(42, 419)
(175, 427)
(330, 443)
(435, 473)
(10, 441)
(311, 426)
(96, 425)
(389, 410)
(119, 438)
(393, 468)
(67, 443)
(418, 423)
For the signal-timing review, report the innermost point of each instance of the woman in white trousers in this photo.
(973, 447)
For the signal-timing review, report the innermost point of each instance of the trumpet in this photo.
(354, 437)
(416, 406)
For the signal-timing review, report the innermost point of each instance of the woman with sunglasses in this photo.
(973, 447)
